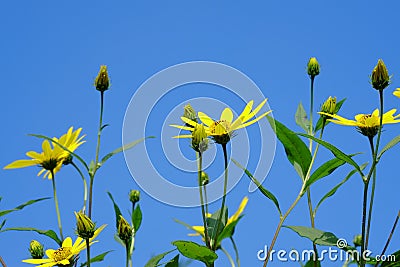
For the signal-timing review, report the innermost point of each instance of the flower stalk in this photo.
(53, 180)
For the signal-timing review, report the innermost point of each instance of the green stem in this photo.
(2, 262)
(228, 256)
(390, 236)
(96, 164)
(236, 251)
(127, 256)
(88, 252)
(85, 189)
(311, 131)
(203, 213)
(215, 235)
(371, 203)
(53, 180)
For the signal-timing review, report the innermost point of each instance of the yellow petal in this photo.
(37, 261)
(183, 136)
(243, 115)
(255, 111)
(22, 163)
(253, 121)
(67, 242)
(182, 127)
(236, 215)
(205, 119)
(189, 121)
(227, 115)
(397, 92)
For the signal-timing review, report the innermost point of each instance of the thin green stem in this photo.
(85, 189)
(364, 217)
(88, 252)
(127, 256)
(53, 180)
(390, 236)
(96, 164)
(205, 197)
(236, 251)
(228, 256)
(311, 131)
(203, 213)
(371, 203)
(2, 262)
(214, 246)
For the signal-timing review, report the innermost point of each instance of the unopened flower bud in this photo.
(102, 81)
(134, 196)
(380, 78)
(204, 178)
(199, 138)
(36, 250)
(329, 107)
(190, 114)
(313, 67)
(124, 230)
(85, 228)
(357, 240)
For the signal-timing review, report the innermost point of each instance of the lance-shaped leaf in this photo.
(20, 207)
(137, 218)
(116, 209)
(392, 260)
(154, 261)
(389, 145)
(174, 262)
(316, 236)
(296, 150)
(195, 251)
(301, 118)
(48, 233)
(336, 152)
(97, 258)
(264, 191)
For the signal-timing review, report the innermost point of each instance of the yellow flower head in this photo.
(66, 254)
(235, 217)
(367, 124)
(221, 130)
(53, 156)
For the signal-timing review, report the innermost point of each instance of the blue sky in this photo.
(51, 52)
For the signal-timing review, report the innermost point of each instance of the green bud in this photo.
(125, 230)
(357, 240)
(102, 81)
(134, 196)
(36, 250)
(329, 107)
(199, 139)
(204, 178)
(85, 228)
(189, 113)
(313, 67)
(380, 78)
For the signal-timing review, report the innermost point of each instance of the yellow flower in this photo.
(397, 92)
(53, 156)
(367, 124)
(66, 254)
(235, 217)
(221, 130)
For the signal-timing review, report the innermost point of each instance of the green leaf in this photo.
(2, 224)
(116, 209)
(336, 152)
(301, 118)
(91, 167)
(153, 262)
(120, 149)
(228, 230)
(48, 233)
(316, 236)
(323, 171)
(389, 145)
(318, 126)
(20, 207)
(295, 148)
(264, 191)
(174, 262)
(214, 225)
(334, 189)
(98, 258)
(63, 147)
(137, 218)
(195, 251)
(393, 261)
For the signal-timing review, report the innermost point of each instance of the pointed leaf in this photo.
(392, 261)
(318, 126)
(48, 233)
(2, 224)
(334, 189)
(195, 251)
(336, 152)
(20, 207)
(295, 148)
(301, 118)
(174, 262)
(228, 230)
(120, 149)
(98, 258)
(153, 262)
(264, 191)
(137, 218)
(323, 171)
(389, 145)
(63, 147)
(116, 209)
(316, 236)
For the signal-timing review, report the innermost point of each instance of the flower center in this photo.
(49, 164)
(61, 254)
